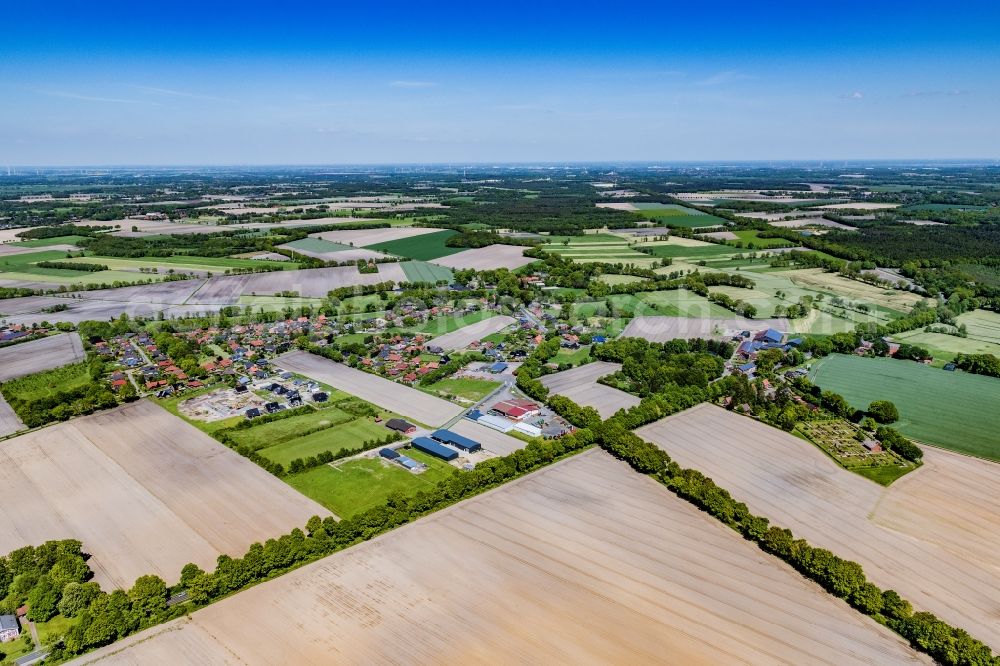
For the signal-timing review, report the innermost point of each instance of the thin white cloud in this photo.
(721, 78)
(857, 94)
(935, 93)
(90, 98)
(412, 84)
(153, 90)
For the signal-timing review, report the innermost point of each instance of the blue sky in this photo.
(291, 83)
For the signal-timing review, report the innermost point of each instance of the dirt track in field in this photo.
(580, 385)
(377, 390)
(9, 421)
(933, 536)
(584, 562)
(27, 358)
(144, 491)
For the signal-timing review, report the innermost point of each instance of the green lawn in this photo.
(357, 485)
(349, 435)
(448, 324)
(753, 236)
(954, 410)
(421, 271)
(282, 430)
(469, 388)
(572, 356)
(425, 247)
(52, 631)
(45, 242)
(48, 383)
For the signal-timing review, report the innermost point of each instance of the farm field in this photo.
(354, 485)
(467, 388)
(597, 248)
(490, 257)
(572, 356)
(584, 561)
(688, 250)
(422, 271)
(662, 329)
(811, 222)
(386, 394)
(981, 325)
(315, 283)
(215, 265)
(954, 410)
(55, 240)
(751, 236)
(367, 237)
(673, 302)
(835, 285)
(941, 564)
(27, 358)
(329, 251)
(466, 335)
(9, 421)
(144, 491)
(580, 385)
(348, 435)
(944, 347)
(424, 247)
(450, 324)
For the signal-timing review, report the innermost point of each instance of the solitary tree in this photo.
(883, 411)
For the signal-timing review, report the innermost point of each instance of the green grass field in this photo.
(700, 252)
(425, 247)
(572, 356)
(45, 242)
(48, 383)
(274, 433)
(953, 410)
(356, 485)
(442, 325)
(421, 271)
(349, 435)
(753, 236)
(470, 388)
(318, 245)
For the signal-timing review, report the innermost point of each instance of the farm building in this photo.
(388, 454)
(528, 429)
(456, 440)
(428, 445)
(9, 629)
(493, 421)
(516, 409)
(770, 335)
(252, 413)
(498, 367)
(401, 425)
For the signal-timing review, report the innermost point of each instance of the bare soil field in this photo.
(365, 237)
(466, 335)
(580, 385)
(617, 205)
(83, 310)
(9, 421)
(313, 282)
(721, 235)
(662, 329)
(932, 536)
(583, 562)
(144, 491)
(487, 258)
(492, 440)
(9, 250)
(397, 398)
(170, 293)
(352, 254)
(811, 221)
(860, 205)
(27, 358)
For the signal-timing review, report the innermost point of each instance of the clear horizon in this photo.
(240, 84)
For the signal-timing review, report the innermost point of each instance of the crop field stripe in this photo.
(585, 550)
(954, 410)
(926, 544)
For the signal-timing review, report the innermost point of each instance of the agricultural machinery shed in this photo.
(428, 445)
(456, 440)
